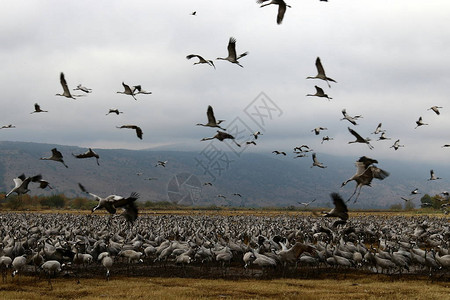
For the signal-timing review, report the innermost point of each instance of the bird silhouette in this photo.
(56, 156)
(321, 73)
(211, 119)
(114, 111)
(316, 163)
(281, 8)
(433, 176)
(138, 129)
(66, 92)
(201, 60)
(221, 136)
(420, 122)
(37, 109)
(232, 56)
(89, 153)
(339, 211)
(359, 139)
(319, 93)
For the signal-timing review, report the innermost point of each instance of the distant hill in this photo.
(261, 180)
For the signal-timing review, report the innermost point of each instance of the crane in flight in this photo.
(133, 90)
(88, 154)
(114, 111)
(66, 92)
(435, 109)
(201, 60)
(366, 171)
(350, 118)
(420, 122)
(221, 136)
(378, 129)
(339, 211)
(318, 129)
(112, 202)
(21, 184)
(316, 163)
(138, 129)
(359, 139)
(319, 93)
(321, 73)
(56, 156)
(281, 8)
(8, 126)
(83, 89)
(396, 145)
(306, 204)
(232, 56)
(433, 176)
(211, 119)
(37, 109)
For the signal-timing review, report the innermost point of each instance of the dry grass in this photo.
(352, 287)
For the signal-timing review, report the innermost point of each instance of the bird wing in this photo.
(56, 153)
(232, 48)
(242, 55)
(138, 132)
(378, 127)
(360, 168)
(21, 177)
(130, 212)
(281, 11)
(194, 55)
(314, 158)
(83, 155)
(119, 201)
(37, 107)
(210, 114)
(319, 90)
(355, 134)
(64, 83)
(127, 88)
(367, 161)
(36, 178)
(340, 206)
(224, 135)
(319, 67)
(378, 173)
(17, 182)
(83, 189)
(431, 173)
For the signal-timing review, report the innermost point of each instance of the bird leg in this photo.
(357, 196)
(354, 192)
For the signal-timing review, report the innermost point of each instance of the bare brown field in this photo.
(350, 287)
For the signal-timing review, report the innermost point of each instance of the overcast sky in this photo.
(390, 60)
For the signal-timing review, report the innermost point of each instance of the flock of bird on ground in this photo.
(266, 242)
(248, 246)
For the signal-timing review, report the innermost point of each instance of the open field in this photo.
(350, 287)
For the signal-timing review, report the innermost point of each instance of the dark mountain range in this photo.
(260, 179)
